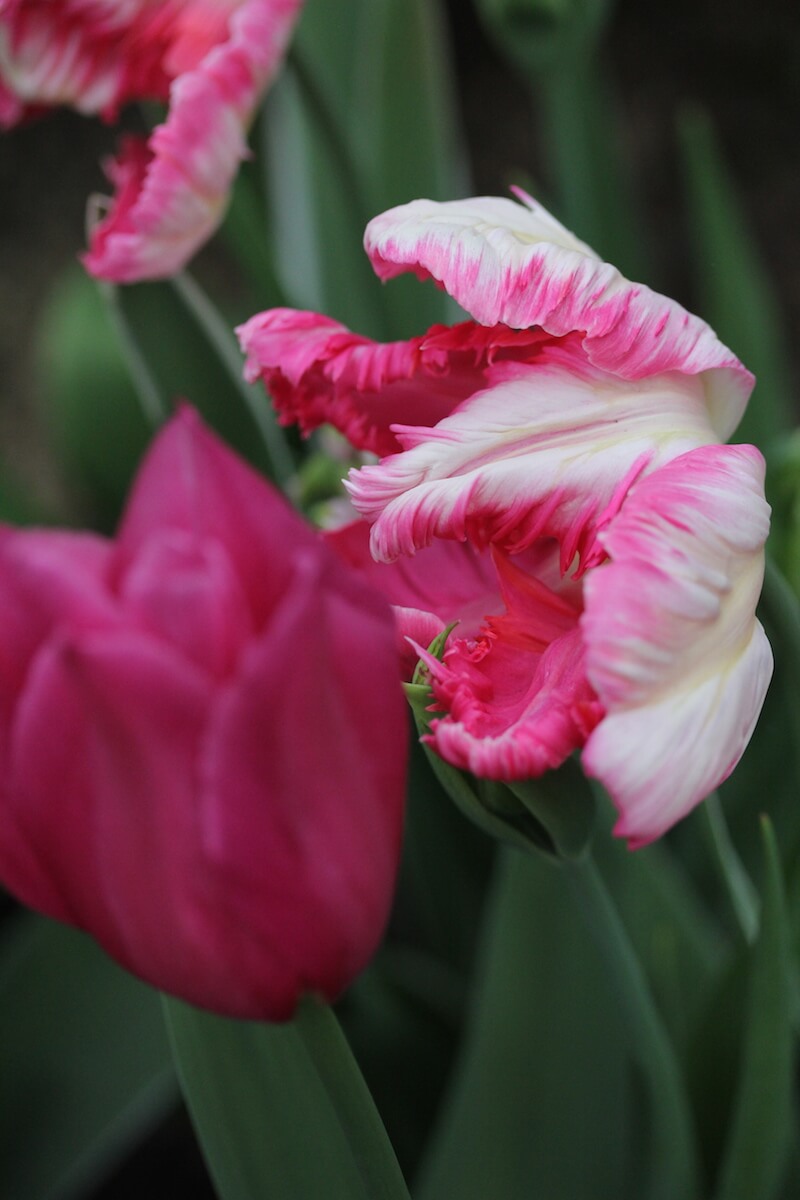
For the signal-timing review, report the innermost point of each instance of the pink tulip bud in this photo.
(202, 737)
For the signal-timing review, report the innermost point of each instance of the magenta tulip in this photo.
(202, 737)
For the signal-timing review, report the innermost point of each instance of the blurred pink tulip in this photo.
(212, 60)
(202, 737)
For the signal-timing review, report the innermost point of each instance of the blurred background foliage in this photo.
(665, 135)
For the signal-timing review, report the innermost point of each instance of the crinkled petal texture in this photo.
(317, 371)
(673, 647)
(515, 264)
(516, 695)
(446, 583)
(171, 200)
(548, 449)
(202, 737)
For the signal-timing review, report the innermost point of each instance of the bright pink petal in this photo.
(516, 697)
(447, 582)
(548, 449)
(674, 650)
(121, 855)
(317, 371)
(310, 739)
(191, 482)
(181, 192)
(513, 263)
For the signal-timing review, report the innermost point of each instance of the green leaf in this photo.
(758, 1146)
(492, 807)
(86, 1067)
(734, 290)
(407, 138)
(282, 1110)
(542, 1101)
(362, 119)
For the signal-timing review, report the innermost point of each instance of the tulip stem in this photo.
(147, 390)
(673, 1137)
(222, 342)
(738, 885)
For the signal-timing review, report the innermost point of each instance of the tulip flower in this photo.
(211, 62)
(202, 737)
(569, 439)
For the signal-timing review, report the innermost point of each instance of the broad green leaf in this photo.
(445, 868)
(86, 1070)
(282, 1110)
(362, 119)
(734, 291)
(758, 1146)
(542, 1101)
(317, 206)
(587, 161)
(676, 937)
(407, 136)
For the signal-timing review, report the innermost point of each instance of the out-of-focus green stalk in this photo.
(738, 885)
(149, 394)
(221, 339)
(674, 1139)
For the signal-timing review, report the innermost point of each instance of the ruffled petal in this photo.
(674, 650)
(549, 449)
(317, 371)
(93, 55)
(512, 263)
(446, 582)
(172, 201)
(516, 695)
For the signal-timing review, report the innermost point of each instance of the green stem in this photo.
(674, 1140)
(738, 885)
(222, 341)
(147, 390)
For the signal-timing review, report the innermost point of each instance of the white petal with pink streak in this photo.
(514, 263)
(674, 650)
(549, 449)
(183, 190)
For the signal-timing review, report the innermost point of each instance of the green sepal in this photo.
(553, 815)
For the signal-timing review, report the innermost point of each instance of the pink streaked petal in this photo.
(658, 761)
(93, 57)
(513, 263)
(317, 371)
(182, 190)
(671, 635)
(549, 449)
(513, 713)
